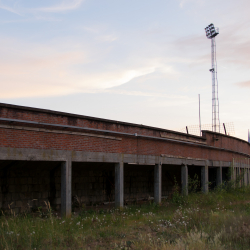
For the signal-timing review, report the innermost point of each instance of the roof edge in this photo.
(229, 136)
(93, 118)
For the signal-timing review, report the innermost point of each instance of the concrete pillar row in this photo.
(218, 176)
(157, 183)
(66, 180)
(184, 179)
(204, 179)
(119, 185)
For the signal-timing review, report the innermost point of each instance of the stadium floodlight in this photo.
(211, 33)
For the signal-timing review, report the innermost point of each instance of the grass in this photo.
(217, 220)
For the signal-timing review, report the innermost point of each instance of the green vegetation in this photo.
(217, 220)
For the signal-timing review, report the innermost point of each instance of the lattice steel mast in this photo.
(211, 33)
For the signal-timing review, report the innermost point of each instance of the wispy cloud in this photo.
(184, 2)
(18, 7)
(107, 38)
(57, 68)
(232, 48)
(65, 5)
(10, 9)
(143, 93)
(245, 84)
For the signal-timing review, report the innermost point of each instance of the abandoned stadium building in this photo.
(57, 157)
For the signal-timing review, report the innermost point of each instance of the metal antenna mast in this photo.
(211, 33)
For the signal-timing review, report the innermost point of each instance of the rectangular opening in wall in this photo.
(93, 184)
(27, 185)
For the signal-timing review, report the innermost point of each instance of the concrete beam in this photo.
(119, 185)
(157, 183)
(184, 179)
(204, 179)
(66, 179)
(218, 176)
(29, 154)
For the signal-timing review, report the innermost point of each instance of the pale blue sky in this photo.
(136, 61)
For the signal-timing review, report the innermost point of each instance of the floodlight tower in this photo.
(211, 33)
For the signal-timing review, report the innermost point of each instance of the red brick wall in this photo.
(83, 121)
(129, 144)
(225, 141)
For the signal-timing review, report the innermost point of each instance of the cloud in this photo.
(63, 67)
(10, 9)
(108, 38)
(61, 7)
(184, 2)
(17, 7)
(118, 77)
(30, 80)
(245, 84)
(231, 48)
(169, 97)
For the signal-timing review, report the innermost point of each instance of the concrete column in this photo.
(236, 176)
(119, 185)
(232, 172)
(204, 179)
(237, 173)
(184, 179)
(157, 183)
(245, 176)
(66, 177)
(248, 174)
(240, 182)
(218, 176)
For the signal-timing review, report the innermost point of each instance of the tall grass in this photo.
(217, 220)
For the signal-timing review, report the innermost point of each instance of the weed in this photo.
(177, 197)
(217, 220)
(193, 184)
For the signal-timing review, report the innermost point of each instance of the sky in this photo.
(139, 61)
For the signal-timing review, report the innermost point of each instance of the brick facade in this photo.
(29, 183)
(221, 146)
